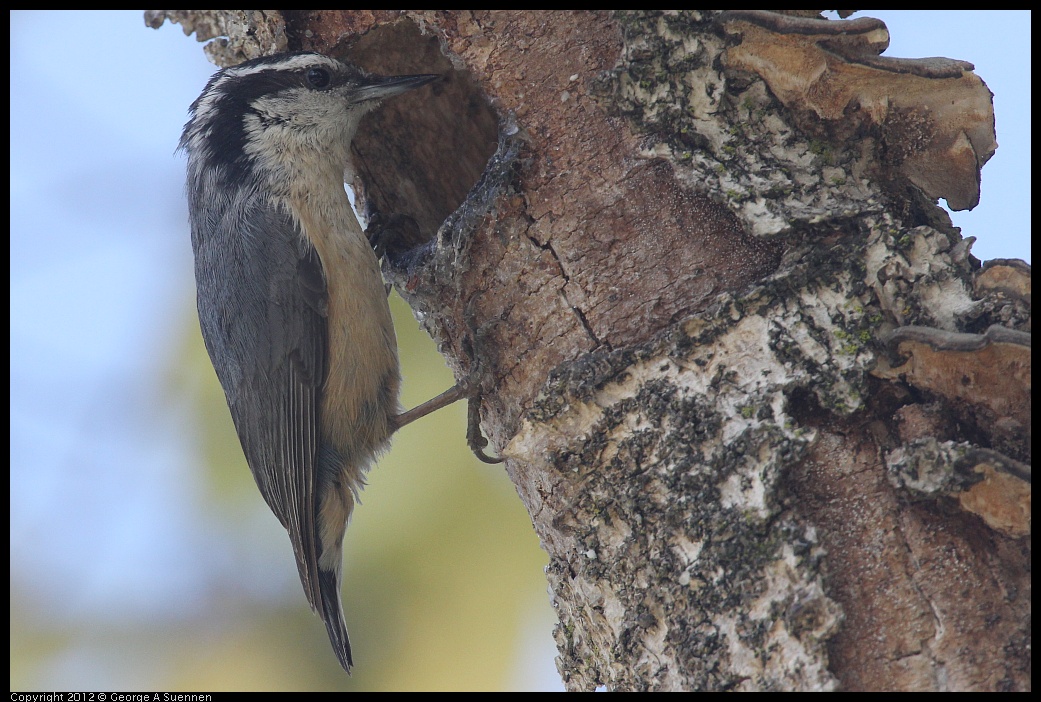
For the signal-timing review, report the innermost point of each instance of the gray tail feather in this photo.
(332, 614)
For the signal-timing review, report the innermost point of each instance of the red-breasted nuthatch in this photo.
(291, 302)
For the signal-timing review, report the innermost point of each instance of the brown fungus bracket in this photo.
(986, 483)
(984, 380)
(1003, 287)
(933, 117)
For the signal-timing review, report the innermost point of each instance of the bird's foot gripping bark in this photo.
(470, 389)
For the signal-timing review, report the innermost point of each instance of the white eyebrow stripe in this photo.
(287, 64)
(205, 107)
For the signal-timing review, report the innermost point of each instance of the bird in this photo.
(292, 306)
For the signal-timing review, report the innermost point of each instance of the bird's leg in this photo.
(469, 388)
(452, 394)
(474, 438)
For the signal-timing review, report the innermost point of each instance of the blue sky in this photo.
(101, 295)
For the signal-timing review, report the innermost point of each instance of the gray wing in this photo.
(262, 307)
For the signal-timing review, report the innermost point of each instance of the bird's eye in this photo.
(318, 77)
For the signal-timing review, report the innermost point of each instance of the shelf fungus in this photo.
(1002, 287)
(983, 381)
(930, 121)
(986, 483)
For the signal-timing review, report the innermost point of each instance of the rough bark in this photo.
(769, 416)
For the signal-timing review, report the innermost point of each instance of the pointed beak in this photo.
(382, 88)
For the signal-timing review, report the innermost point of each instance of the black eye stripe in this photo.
(318, 78)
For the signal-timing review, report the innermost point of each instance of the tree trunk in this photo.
(770, 418)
